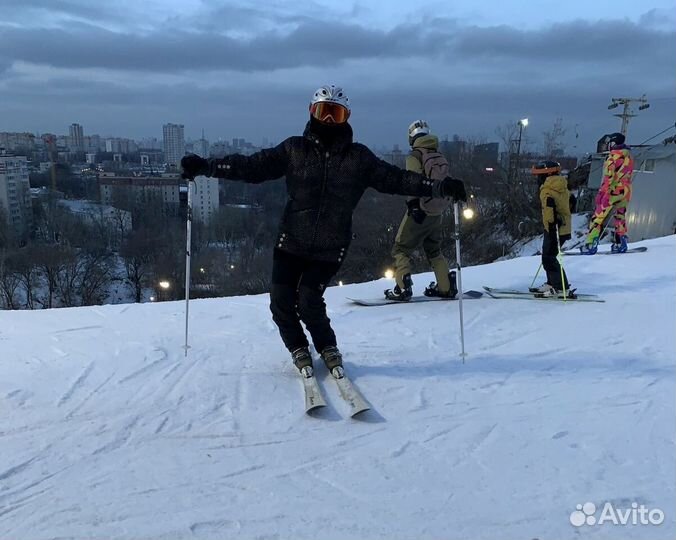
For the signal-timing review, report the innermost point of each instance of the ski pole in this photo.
(458, 266)
(559, 257)
(536, 276)
(191, 181)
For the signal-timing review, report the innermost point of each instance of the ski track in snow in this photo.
(109, 431)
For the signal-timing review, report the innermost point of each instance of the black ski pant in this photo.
(297, 294)
(550, 249)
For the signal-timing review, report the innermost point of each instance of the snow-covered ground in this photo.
(533, 246)
(108, 431)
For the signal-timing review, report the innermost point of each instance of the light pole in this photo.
(627, 113)
(164, 286)
(522, 124)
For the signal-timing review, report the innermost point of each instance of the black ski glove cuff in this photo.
(194, 165)
(450, 187)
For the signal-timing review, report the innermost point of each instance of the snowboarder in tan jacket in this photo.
(421, 225)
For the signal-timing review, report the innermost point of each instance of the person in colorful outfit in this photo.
(613, 196)
(555, 203)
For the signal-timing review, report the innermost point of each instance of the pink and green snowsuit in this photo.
(614, 194)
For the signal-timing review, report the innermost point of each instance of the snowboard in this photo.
(640, 249)
(468, 295)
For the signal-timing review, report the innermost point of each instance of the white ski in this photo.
(313, 394)
(349, 393)
(522, 295)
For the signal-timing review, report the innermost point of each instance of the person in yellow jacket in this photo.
(556, 219)
(421, 225)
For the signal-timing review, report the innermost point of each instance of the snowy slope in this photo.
(533, 246)
(108, 431)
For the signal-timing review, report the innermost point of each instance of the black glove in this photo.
(417, 214)
(451, 187)
(194, 165)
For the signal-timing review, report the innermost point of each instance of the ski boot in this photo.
(401, 295)
(302, 359)
(569, 293)
(544, 291)
(590, 249)
(433, 289)
(333, 360)
(620, 246)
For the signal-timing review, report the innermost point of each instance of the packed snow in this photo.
(108, 431)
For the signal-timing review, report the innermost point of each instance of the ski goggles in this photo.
(546, 170)
(330, 113)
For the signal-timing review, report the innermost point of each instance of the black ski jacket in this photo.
(324, 184)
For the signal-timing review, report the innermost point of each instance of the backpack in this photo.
(435, 167)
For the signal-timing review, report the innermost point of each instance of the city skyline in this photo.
(239, 69)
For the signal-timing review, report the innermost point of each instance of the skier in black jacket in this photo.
(326, 175)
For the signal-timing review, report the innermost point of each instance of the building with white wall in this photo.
(15, 200)
(205, 199)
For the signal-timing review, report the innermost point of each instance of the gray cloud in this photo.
(575, 40)
(472, 108)
(77, 9)
(214, 67)
(316, 43)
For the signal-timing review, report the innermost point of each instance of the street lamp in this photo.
(389, 274)
(468, 213)
(163, 285)
(522, 124)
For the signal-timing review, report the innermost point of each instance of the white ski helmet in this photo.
(332, 94)
(419, 127)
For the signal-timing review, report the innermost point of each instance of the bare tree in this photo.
(9, 280)
(6, 234)
(27, 270)
(68, 280)
(52, 259)
(95, 276)
(554, 145)
(138, 252)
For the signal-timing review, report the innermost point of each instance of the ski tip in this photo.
(314, 408)
(359, 412)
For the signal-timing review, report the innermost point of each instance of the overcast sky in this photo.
(247, 69)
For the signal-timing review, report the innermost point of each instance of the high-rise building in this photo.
(150, 143)
(93, 144)
(15, 200)
(174, 143)
(17, 141)
(118, 145)
(76, 138)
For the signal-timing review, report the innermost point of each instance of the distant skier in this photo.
(421, 224)
(613, 196)
(326, 175)
(555, 203)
